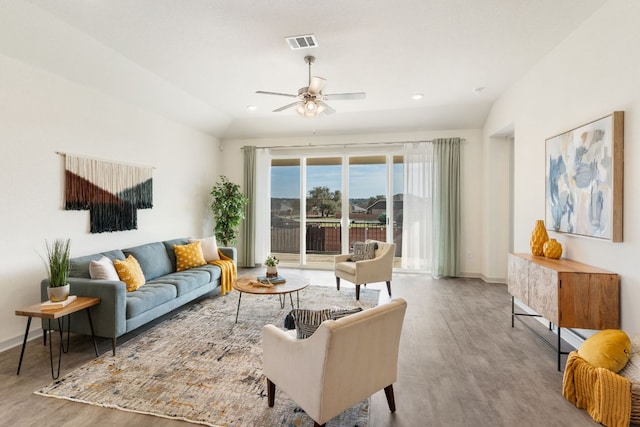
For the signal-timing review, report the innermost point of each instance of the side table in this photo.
(35, 310)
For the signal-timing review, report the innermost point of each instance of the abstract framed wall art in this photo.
(584, 174)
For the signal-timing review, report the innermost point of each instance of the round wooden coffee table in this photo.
(293, 283)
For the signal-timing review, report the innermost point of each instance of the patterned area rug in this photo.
(200, 366)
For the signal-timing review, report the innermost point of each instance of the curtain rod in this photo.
(60, 153)
(346, 144)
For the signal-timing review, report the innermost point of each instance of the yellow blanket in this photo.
(228, 272)
(604, 394)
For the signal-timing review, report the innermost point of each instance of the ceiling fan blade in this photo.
(327, 109)
(276, 93)
(316, 84)
(293, 104)
(344, 96)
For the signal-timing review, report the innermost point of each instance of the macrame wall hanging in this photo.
(112, 192)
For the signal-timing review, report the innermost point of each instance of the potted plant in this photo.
(272, 266)
(228, 210)
(58, 264)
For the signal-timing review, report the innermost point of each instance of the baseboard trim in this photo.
(16, 341)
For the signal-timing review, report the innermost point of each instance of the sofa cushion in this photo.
(189, 256)
(209, 248)
(213, 270)
(363, 251)
(311, 319)
(168, 244)
(346, 266)
(130, 273)
(80, 265)
(153, 259)
(147, 297)
(307, 321)
(185, 281)
(103, 269)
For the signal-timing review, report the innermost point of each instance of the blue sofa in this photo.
(165, 289)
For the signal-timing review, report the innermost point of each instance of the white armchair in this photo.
(378, 269)
(342, 363)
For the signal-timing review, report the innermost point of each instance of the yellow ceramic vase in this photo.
(539, 237)
(552, 249)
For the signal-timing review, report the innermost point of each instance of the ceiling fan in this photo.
(310, 99)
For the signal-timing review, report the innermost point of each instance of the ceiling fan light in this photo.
(310, 106)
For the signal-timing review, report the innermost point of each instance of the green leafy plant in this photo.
(58, 261)
(271, 261)
(228, 210)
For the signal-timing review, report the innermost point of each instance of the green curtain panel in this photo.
(248, 236)
(446, 207)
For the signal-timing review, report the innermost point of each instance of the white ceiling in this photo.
(201, 61)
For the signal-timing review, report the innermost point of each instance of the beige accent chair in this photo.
(342, 363)
(378, 269)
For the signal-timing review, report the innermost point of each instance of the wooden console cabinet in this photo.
(566, 293)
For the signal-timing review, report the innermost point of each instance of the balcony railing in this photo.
(325, 237)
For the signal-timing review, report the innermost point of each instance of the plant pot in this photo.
(272, 271)
(59, 293)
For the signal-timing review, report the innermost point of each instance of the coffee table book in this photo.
(274, 280)
(54, 305)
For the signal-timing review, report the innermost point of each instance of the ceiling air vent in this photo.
(302, 42)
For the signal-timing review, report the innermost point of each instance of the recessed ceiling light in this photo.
(252, 107)
(417, 96)
(478, 89)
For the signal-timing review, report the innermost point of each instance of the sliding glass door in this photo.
(321, 205)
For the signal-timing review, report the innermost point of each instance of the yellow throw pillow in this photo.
(609, 349)
(129, 272)
(189, 256)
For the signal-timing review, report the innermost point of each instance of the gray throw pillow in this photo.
(307, 321)
(363, 250)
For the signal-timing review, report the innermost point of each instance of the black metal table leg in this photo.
(55, 376)
(93, 336)
(291, 299)
(238, 309)
(24, 343)
(559, 350)
(513, 311)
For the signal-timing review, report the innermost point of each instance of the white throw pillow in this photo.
(209, 248)
(103, 269)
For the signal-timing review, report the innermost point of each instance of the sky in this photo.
(364, 180)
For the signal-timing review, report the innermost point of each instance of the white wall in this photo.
(41, 113)
(592, 73)
(471, 177)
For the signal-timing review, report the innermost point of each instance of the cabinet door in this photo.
(589, 301)
(543, 292)
(518, 278)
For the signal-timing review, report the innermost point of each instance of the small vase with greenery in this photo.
(228, 210)
(58, 264)
(272, 266)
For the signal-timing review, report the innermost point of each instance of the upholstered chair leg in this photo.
(357, 292)
(388, 391)
(338, 282)
(271, 393)
(389, 287)
(113, 346)
(315, 424)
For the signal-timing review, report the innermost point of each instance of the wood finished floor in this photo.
(461, 364)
